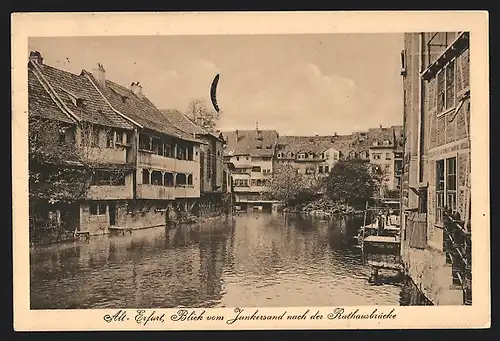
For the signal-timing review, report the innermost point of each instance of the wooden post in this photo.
(363, 233)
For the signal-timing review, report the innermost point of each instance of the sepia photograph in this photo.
(280, 170)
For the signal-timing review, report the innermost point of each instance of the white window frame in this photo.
(445, 191)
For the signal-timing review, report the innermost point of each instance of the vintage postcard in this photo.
(294, 170)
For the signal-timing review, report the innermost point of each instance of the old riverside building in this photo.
(213, 172)
(436, 179)
(146, 169)
(250, 154)
(316, 155)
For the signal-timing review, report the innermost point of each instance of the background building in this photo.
(436, 169)
(251, 153)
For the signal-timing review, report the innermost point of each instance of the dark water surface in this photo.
(261, 259)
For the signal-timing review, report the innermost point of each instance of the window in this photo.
(247, 158)
(237, 158)
(352, 155)
(446, 88)
(388, 156)
(156, 146)
(95, 138)
(327, 155)
(241, 183)
(320, 169)
(362, 154)
(145, 177)
(97, 209)
(327, 170)
(257, 169)
(377, 156)
(450, 85)
(209, 164)
(62, 136)
(167, 151)
(109, 138)
(144, 142)
(335, 156)
(451, 183)
(446, 186)
(387, 168)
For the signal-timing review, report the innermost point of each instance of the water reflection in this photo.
(251, 260)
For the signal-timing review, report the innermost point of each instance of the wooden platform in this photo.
(120, 229)
(381, 240)
(385, 265)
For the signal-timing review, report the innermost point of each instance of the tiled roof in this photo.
(251, 142)
(41, 104)
(139, 109)
(70, 88)
(183, 122)
(307, 144)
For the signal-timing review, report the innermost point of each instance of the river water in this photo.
(250, 260)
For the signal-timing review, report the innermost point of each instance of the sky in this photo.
(296, 84)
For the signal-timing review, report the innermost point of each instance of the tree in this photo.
(353, 182)
(289, 186)
(199, 112)
(61, 168)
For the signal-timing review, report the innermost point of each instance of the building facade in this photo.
(436, 171)
(315, 156)
(250, 153)
(213, 170)
(312, 156)
(144, 169)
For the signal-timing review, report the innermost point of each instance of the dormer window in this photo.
(75, 99)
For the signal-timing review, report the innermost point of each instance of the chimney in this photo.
(335, 134)
(257, 126)
(237, 135)
(36, 57)
(136, 89)
(380, 126)
(99, 73)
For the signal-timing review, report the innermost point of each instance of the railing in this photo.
(457, 246)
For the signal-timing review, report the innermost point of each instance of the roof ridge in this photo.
(52, 93)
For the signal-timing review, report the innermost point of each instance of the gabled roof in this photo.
(77, 96)
(139, 109)
(181, 121)
(41, 103)
(247, 142)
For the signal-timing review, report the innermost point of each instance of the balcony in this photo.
(105, 155)
(457, 247)
(150, 160)
(110, 192)
(155, 192)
